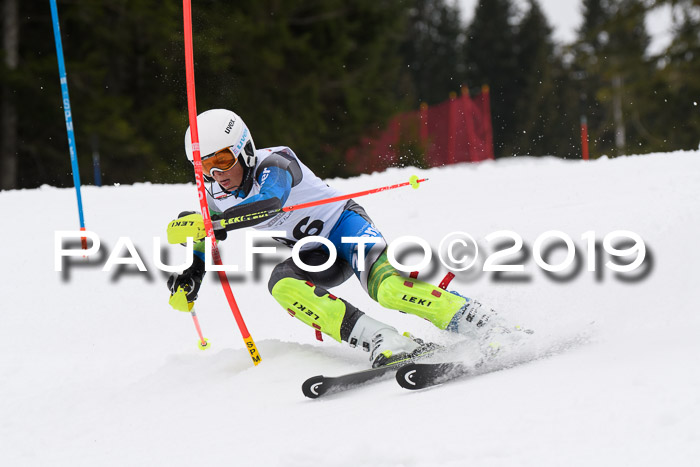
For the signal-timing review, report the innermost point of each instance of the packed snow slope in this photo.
(97, 369)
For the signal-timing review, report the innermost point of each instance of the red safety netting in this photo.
(457, 130)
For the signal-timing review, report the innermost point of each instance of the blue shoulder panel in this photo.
(274, 183)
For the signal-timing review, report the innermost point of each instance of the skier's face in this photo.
(229, 179)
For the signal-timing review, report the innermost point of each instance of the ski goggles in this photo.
(221, 160)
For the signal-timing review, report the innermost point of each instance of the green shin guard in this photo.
(324, 313)
(419, 298)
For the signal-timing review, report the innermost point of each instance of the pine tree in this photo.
(675, 123)
(8, 110)
(123, 88)
(611, 59)
(310, 74)
(535, 83)
(431, 50)
(491, 58)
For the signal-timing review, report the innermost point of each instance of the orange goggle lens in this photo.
(220, 160)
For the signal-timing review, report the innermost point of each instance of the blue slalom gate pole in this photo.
(67, 112)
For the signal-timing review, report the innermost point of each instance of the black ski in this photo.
(423, 375)
(320, 385)
(419, 375)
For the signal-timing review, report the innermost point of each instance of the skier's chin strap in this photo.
(246, 184)
(220, 193)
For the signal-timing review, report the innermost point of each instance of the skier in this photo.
(245, 180)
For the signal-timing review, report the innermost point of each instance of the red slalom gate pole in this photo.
(192, 109)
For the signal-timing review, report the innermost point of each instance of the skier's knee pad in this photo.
(315, 306)
(419, 298)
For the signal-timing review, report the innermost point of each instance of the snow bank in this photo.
(96, 369)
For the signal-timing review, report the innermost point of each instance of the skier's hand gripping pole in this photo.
(184, 288)
(178, 300)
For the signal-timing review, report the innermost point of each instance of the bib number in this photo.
(302, 230)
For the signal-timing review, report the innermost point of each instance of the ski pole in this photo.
(180, 303)
(192, 109)
(414, 182)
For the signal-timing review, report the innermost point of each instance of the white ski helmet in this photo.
(219, 129)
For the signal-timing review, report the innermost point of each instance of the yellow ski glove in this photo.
(190, 225)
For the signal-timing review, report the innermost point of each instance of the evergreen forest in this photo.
(319, 75)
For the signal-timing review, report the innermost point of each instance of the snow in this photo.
(97, 369)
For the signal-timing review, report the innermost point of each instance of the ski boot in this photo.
(384, 344)
(493, 332)
(447, 310)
